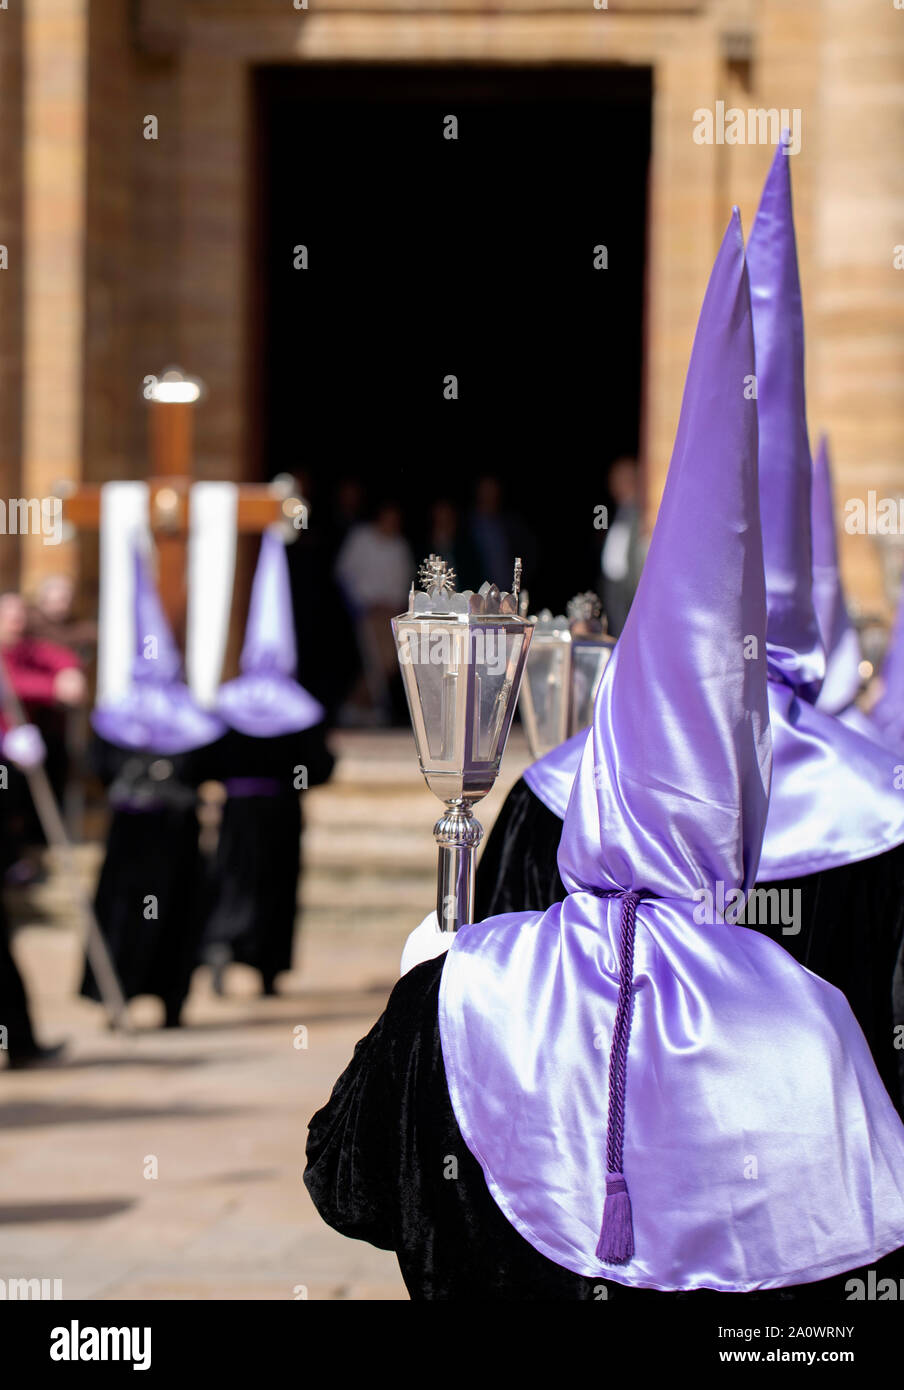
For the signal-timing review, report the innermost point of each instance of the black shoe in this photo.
(36, 1057)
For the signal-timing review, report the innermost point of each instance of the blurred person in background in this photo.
(494, 537)
(51, 618)
(22, 748)
(47, 680)
(328, 663)
(624, 548)
(444, 533)
(347, 510)
(375, 568)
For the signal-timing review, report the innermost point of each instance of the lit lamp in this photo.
(175, 387)
(462, 658)
(567, 658)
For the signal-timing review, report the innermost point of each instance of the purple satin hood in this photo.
(833, 799)
(842, 645)
(266, 700)
(887, 715)
(760, 1147)
(158, 714)
(796, 654)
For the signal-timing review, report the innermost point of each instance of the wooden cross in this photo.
(259, 505)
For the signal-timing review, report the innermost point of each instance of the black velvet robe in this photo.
(258, 859)
(14, 1016)
(387, 1164)
(152, 853)
(851, 918)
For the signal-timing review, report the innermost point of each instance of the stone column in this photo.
(55, 40)
(11, 273)
(856, 334)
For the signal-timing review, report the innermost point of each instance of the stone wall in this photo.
(140, 248)
(11, 278)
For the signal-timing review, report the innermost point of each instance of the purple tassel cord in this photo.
(616, 1242)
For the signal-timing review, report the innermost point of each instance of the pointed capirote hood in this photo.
(664, 806)
(839, 637)
(887, 715)
(795, 649)
(157, 658)
(608, 1060)
(266, 701)
(158, 713)
(834, 797)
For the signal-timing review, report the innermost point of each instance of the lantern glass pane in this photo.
(496, 654)
(437, 674)
(545, 675)
(589, 663)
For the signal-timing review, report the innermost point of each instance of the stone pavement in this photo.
(168, 1165)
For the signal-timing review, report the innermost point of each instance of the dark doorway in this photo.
(473, 257)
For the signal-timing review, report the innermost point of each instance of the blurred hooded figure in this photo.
(886, 717)
(597, 1071)
(153, 749)
(839, 690)
(274, 750)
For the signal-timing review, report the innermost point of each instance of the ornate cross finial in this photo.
(583, 608)
(435, 576)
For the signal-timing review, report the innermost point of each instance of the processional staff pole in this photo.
(54, 829)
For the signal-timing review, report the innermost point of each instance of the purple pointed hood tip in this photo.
(668, 805)
(796, 655)
(887, 715)
(266, 701)
(158, 713)
(842, 645)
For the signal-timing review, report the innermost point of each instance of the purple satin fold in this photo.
(887, 715)
(267, 705)
(842, 645)
(158, 713)
(759, 1144)
(796, 653)
(552, 776)
(834, 798)
(157, 719)
(135, 806)
(252, 786)
(266, 701)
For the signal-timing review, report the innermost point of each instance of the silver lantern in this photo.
(567, 658)
(462, 657)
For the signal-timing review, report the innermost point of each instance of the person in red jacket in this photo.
(41, 675)
(47, 679)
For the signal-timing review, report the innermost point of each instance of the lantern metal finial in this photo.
(435, 576)
(567, 658)
(516, 581)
